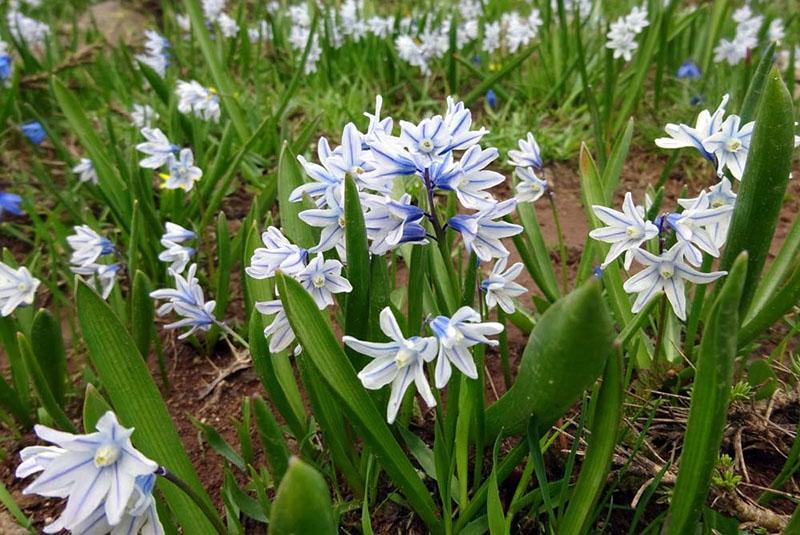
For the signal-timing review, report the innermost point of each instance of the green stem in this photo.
(662, 322)
(562, 248)
(205, 507)
(233, 334)
(503, 339)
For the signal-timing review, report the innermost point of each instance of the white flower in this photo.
(23, 28)
(469, 179)
(491, 36)
(682, 135)
(500, 287)
(528, 155)
(101, 276)
(530, 187)
(692, 226)
(194, 98)
(176, 233)
(731, 145)
(157, 147)
(85, 171)
(186, 300)
(182, 171)
(279, 332)
(213, 8)
(482, 231)
(92, 470)
(176, 254)
(323, 278)
(156, 54)
(399, 362)
(227, 25)
(731, 51)
(626, 230)
(666, 273)
(718, 196)
(390, 223)
(87, 246)
(776, 31)
(455, 336)
(17, 288)
(143, 115)
(332, 222)
(278, 253)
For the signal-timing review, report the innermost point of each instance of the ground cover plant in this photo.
(375, 267)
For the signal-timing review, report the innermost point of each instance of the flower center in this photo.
(342, 221)
(633, 232)
(666, 271)
(404, 357)
(106, 455)
(426, 145)
(318, 281)
(357, 170)
(22, 286)
(733, 145)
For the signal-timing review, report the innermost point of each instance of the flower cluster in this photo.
(186, 300)
(175, 252)
(401, 361)
(201, 101)
(156, 52)
(26, 29)
(748, 25)
(160, 152)
(724, 141)
(107, 483)
(321, 278)
(623, 32)
(87, 249)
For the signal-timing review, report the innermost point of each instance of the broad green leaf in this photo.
(302, 503)
(602, 441)
(290, 176)
(142, 316)
(216, 441)
(275, 449)
(11, 506)
(709, 406)
(42, 386)
(224, 263)
(763, 184)
(778, 271)
(757, 85)
(565, 354)
(138, 403)
(94, 407)
(357, 266)
(48, 348)
(494, 507)
(534, 253)
(327, 357)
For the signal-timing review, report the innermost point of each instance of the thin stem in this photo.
(210, 513)
(662, 322)
(504, 356)
(562, 248)
(227, 331)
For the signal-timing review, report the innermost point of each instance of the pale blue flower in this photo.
(87, 246)
(197, 99)
(331, 220)
(530, 187)
(377, 127)
(626, 230)
(666, 273)
(718, 196)
(176, 233)
(278, 253)
(94, 470)
(278, 332)
(731, 145)
(158, 148)
(692, 226)
(500, 288)
(456, 336)
(143, 115)
(86, 171)
(182, 171)
(323, 278)
(177, 255)
(399, 362)
(528, 155)
(483, 230)
(187, 301)
(469, 178)
(102, 277)
(6, 67)
(681, 135)
(17, 288)
(391, 222)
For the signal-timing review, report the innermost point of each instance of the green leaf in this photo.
(275, 449)
(757, 84)
(290, 176)
(216, 441)
(602, 441)
(48, 348)
(142, 316)
(778, 271)
(565, 354)
(763, 184)
(325, 354)
(302, 503)
(494, 507)
(224, 263)
(94, 407)
(709, 406)
(355, 234)
(11, 506)
(138, 403)
(42, 386)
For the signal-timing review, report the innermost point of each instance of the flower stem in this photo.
(562, 248)
(662, 322)
(205, 507)
(227, 331)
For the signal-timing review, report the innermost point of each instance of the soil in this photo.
(190, 373)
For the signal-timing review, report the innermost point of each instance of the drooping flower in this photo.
(689, 70)
(157, 147)
(176, 233)
(530, 187)
(278, 332)
(34, 131)
(156, 54)
(87, 246)
(323, 278)
(177, 255)
(491, 98)
(456, 335)
(278, 253)
(398, 362)
(528, 155)
(668, 273)
(17, 288)
(98, 469)
(731, 145)
(626, 230)
(500, 288)
(86, 171)
(483, 230)
(182, 171)
(187, 301)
